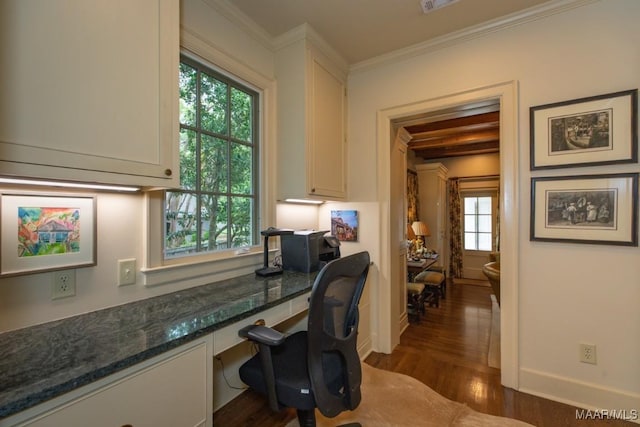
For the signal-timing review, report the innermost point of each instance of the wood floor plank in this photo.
(448, 351)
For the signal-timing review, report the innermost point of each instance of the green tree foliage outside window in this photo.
(215, 208)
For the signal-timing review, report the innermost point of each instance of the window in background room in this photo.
(478, 233)
(217, 204)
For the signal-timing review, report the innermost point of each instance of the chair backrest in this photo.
(334, 364)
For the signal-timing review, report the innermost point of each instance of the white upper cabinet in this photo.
(312, 107)
(90, 90)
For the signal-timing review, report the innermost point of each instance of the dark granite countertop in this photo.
(44, 361)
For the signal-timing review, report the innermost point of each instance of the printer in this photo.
(307, 250)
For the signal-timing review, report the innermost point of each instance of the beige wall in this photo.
(26, 300)
(568, 293)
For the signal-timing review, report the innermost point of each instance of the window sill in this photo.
(203, 271)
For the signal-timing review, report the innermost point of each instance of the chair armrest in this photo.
(262, 335)
(266, 338)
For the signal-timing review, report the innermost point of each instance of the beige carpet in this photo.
(391, 399)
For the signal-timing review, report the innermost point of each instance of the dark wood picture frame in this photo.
(592, 209)
(597, 130)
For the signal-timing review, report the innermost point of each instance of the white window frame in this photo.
(209, 267)
(203, 69)
(481, 188)
(465, 214)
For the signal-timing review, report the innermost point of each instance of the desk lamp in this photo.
(266, 270)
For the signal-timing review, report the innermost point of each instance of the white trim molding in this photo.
(481, 30)
(586, 395)
(506, 93)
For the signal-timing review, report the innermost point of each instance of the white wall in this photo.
(569, 293)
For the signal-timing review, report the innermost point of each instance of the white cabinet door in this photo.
(311, 124)
(169, 393)
(90, 90)
(327, 150)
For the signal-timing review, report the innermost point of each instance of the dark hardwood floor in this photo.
(447, 350)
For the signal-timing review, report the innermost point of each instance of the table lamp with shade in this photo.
(411, 239)
(421, 230)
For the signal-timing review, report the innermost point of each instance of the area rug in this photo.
(494, 337)
(392, 399)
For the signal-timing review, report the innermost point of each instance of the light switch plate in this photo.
(126, 272)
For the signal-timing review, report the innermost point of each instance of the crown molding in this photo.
(308, 33)
(513, 20)
(246, 24)
(305, 31)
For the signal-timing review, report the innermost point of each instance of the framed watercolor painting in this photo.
(45, 233)
(598, 130)
(594, 209)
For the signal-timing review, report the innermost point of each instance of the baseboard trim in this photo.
(365, 348)
(585, 395)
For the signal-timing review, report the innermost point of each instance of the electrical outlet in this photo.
(63, 284)
(588, 353)
(126, 272)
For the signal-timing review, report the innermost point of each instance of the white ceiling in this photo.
(364, 29)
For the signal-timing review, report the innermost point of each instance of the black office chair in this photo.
(319, 367)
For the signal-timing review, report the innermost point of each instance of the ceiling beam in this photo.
(454, 139)
(461, 150)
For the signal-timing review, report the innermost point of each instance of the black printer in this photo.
(308, 251)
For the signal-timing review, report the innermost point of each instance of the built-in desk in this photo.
(47, 361)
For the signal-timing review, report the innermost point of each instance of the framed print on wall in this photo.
(45, 233)
(344, 225)
(597, 130)
(593, 209)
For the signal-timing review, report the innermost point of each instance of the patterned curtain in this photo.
(455, 240)
(413, 205)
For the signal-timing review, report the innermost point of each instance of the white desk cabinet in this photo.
(312, 107)
(90, 91)
(174, 389)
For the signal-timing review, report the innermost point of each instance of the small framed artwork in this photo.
(594, 209)
(45, 233)
(344, 225)
(590, 131)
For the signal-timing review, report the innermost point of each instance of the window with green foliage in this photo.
(216, 206)
(477, 223)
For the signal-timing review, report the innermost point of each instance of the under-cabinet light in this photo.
(68, 184)
(308, 201)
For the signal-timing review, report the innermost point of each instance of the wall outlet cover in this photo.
(63, 284)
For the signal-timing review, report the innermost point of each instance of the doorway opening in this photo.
(393, 221)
